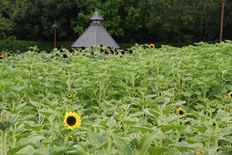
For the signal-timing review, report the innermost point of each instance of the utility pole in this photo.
(222, 20)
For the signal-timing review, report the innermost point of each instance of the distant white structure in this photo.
(95, 35)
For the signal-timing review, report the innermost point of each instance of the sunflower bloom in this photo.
(230, 95)
(180, 111)
(152, 46)
(69, 95)
(72, 120)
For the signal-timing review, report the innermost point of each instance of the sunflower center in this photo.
(181, 112)
(230, 94)
(71, 120)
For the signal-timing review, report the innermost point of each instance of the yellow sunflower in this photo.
(69, 94)
(180, 111)
(72, 120)
(152, 46)
(230, 95)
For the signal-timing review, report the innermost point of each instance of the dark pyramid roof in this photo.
(95, 35)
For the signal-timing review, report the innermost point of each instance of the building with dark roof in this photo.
(95, 35)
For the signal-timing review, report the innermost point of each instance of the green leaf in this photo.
(184, 146)
(157, 150)
(32, 126)
(172, 118)
(35, 103)
(198, 138)
(81, 149)
(143, 128)
(46, 111)
(22, 149)
(122, 145)
(14, 150)
(200, 128)
(152, 112)
(165, 128)
(27, 150)
(145, 141)
(57, 150)
(97, 138)
(32, 139)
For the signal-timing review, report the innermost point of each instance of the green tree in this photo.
(132, 25)
(207, 19)
(82, 17)
(112, 20)
(171, 20)
(126, 20)
(183, 20)
(122, 18)
(228, 20)
(6, 26)
(34, 19)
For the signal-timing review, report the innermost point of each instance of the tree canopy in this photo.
(126, 20)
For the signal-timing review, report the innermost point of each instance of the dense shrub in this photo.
(18, 46)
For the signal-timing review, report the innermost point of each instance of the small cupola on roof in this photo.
(95, 35)
(96, 18)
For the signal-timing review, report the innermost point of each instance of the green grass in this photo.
(127, 103)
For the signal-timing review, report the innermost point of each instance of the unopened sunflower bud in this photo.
(5, 125)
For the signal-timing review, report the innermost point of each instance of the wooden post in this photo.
(222, 20)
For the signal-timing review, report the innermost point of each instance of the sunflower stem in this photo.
(160, 118)
(160, 138)
(65, 140)
(4, 142)
(14, 136)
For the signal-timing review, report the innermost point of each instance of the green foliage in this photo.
(11, 45)
(227, 19)
(112, 20)
(184, 20)
(18, 46)
(83, 22)
(34, 19)
(5, 27)
(172, 21)
(127, 102)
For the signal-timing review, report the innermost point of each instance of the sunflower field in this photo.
(140, 101)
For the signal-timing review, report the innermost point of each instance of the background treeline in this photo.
(126, 20)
